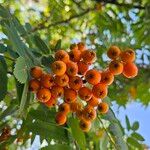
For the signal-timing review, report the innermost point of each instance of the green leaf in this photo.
(77, 133)
(133, 142)
(3, 12)
(20, 70)
(58, 45)
(128, 123)
(3, 49)
(47, 61)
(57, 147)
(135, 126)
(137, 136)
(41, 45)
(3, 78)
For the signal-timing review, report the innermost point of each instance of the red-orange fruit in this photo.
(58, 67)
(75, 55)
(85, 125)
(103, 108)
(57, 91)
(85, 93)
(128, 55)
(81, 46)
(88, 56)
(82, 67)
(43, 95)
(107, 77)
(75, 83)
(60, 118)
(75, 106)
(89, 113)
(65, 108)
(113, 52)
(34, 85)
(74, 46)
(47, 80)
(72, 68)
(93, 101)
(62, 80)
(51, 102)
(36, 72)
(116, 67)
(62, 56)
(70, 95)
(100, 90)
(93, 76)
(79, 114)
(130, 70)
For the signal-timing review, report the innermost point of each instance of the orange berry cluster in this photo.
(81, 87)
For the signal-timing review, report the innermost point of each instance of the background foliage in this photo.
(32, 30)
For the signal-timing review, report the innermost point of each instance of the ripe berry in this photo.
(88, 56)
(113, 52)
(36, 72)
(75, 55)
(74, 46)
(65, 108)
(70, 95)
(85, 125)
(103, 108)
(116, 67)
(57, 91)
(93, 101)
(72, 68)
(107, 77)
(34, 85)
(99, 90)
(93, 76)
(75, 83)
(82, 67)
(43, 95)
(47, 80)
(62, 56)
(58, 68)
(51, 102)
(75, 106)
(85, 93)
(79, 114)
(81, 46)
(130, 70)
(62, 80)
(60, 118)
(128, 55)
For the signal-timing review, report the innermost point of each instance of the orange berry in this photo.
(60, 118)
(74, 46)
(75, 83)
(93, 101)
(89, 113)
(82, 67)
(85, 93)
(65, 108)
(36, 72)
(130, 70)
(62, 80)
(93, 76)
(113, 52)
(75, 55)
(58, 67)
(34, 85)
(47, 80)
(100, 90)
(75, 106)
(81, 46)
(62, 56)
(85, 125)
(128, 55)
(57, 91)
(72, 68)
(70, 95)
(116, 67)
(79, 114)
(43, 95)
(88, 56)
(51, 102)
(103, 108)
(107, 77)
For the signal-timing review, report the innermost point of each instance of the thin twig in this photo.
(9, 58)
